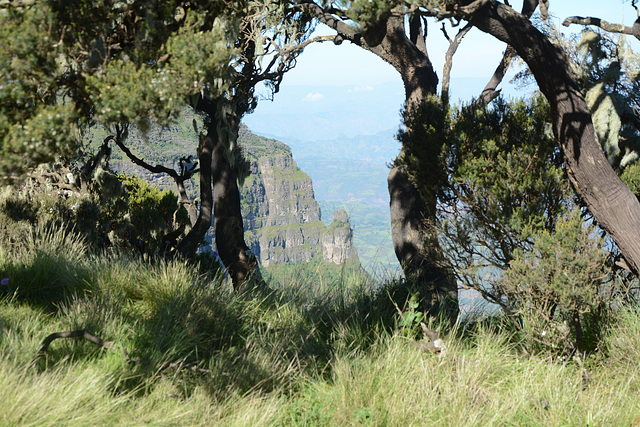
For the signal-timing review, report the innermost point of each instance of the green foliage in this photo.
(506, 224)
(557, 291)
(411, 316)
(148, 212)
(119, 211)
(631, 178)
(425, 141)
(134, 92)
(504, 166)
(68, 63)
(32, 127)
(497, 176)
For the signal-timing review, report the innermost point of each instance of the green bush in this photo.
(143, 215)
(130, 213)
(558, 292)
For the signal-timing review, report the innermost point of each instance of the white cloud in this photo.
(313, 97)
(363, 88)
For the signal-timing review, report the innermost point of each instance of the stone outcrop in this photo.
(281, 216)
(337, 241)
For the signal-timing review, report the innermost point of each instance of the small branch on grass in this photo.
(82, 333)
(183, 366)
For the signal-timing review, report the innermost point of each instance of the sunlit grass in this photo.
(198, 355)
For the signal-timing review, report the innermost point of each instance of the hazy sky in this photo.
(477, 56)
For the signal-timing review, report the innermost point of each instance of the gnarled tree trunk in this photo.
(417, 249)
(240, 262)
(614, 206)
(220, 200)
(414, 246)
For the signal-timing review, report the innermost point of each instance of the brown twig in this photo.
(453, 47)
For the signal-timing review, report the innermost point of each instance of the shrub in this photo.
(557, 292)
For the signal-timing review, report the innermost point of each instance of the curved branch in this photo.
(490, 91)
(608, 199)
(331, 21)
(82, 333)
(633, 30)
(140, 162)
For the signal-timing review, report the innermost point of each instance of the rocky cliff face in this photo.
(337, 241)
(281, 217)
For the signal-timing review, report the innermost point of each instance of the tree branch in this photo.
(140, 162)
(82, 333)
(490, 92)
(634, 30)
(448, 63)
(331, 21)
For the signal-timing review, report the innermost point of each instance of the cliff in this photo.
(281, 215)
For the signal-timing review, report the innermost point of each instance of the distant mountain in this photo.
(281, 216)
(380, 147)
(320, 113)
(315, 113)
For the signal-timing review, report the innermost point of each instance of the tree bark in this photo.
(416, 247)
(189, 244)
(613, 205)
(240, 262)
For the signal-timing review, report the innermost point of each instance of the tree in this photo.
(396, 31)
(503, 179)
(143, 61)
(505, 215)
(612, 203)
(608, 199)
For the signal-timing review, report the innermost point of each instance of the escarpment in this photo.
(281, 216)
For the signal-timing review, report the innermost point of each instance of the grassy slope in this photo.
(302, 357)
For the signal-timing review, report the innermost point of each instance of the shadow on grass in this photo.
(175, 322)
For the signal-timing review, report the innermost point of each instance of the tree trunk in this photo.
(406, 51)
(240, 262)
(190, 243)
(416, 248)
(613, 205)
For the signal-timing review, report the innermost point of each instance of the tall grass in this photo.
(198, 355)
